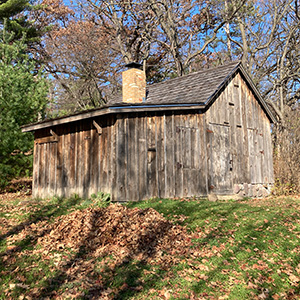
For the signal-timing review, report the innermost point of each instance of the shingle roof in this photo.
(196, 87)
(186, 92)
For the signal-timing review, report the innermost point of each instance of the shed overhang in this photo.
(111, 110)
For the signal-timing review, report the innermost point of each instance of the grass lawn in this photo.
(248, 249)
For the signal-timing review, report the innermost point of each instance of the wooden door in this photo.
(220, 161)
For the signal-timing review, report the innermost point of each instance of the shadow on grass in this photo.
(126, 278)
(8, 257)
(247, 240)
(126, 274)
(59, 207)
(251, 242)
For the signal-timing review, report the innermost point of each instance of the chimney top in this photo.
(134, 83)
(134, 65)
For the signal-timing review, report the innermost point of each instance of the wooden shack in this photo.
(204, 133)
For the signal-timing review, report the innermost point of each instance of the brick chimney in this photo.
(134, 83)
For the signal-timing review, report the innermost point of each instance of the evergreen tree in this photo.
(14, 11)
(23, 93)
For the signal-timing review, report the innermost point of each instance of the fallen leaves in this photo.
(118, 230)
(294, 279)
(106, 253)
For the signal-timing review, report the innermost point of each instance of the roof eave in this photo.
(111, 110)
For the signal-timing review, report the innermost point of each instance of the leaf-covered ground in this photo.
(155, 249)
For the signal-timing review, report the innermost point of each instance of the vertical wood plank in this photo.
(224, 108)
(53, 168)
(47, 170)
(113, 161)
(203, 171)
(270, 152)
(137, 156)
(142, 157)
(41, 171)
(79, 171)
(186, 154)
(178, 156)
(236, 100)
(160, 155)
(212, 113)
(85, 158)
(82, 160)
(245, 168)
(108, 154)
(103, 165)
(151, 157)
(207, 142)
(238, 168)
(239, 131)
(35, 170)
(132, 188)
(69, 154)
(72, 162)
(208, 115)
(100, 163)
(64, 178)
(90, 158)
(259, 156)
(232, 132)
(166, 185)
(256, 166)
(262, 146)
(195, 155)
(94, 162)
(240, 163)
(169, 155)
(58, 165)
(126, 125)
(121, 167)
(75, 158)
(260, 152)
(113, 182)
(44, 170)
(251, 155)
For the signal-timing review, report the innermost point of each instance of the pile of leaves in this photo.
(95, 243)
(143, 234)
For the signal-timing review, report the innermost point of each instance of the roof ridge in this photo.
(235, 63)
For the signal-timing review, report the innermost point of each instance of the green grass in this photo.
(241, 250)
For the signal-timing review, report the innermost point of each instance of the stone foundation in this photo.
(244, 190)
(252, 190)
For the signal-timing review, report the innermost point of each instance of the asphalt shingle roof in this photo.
(196, 87)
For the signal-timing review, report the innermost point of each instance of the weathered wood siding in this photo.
(137, 156)
(239, 139)
(159, 154)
